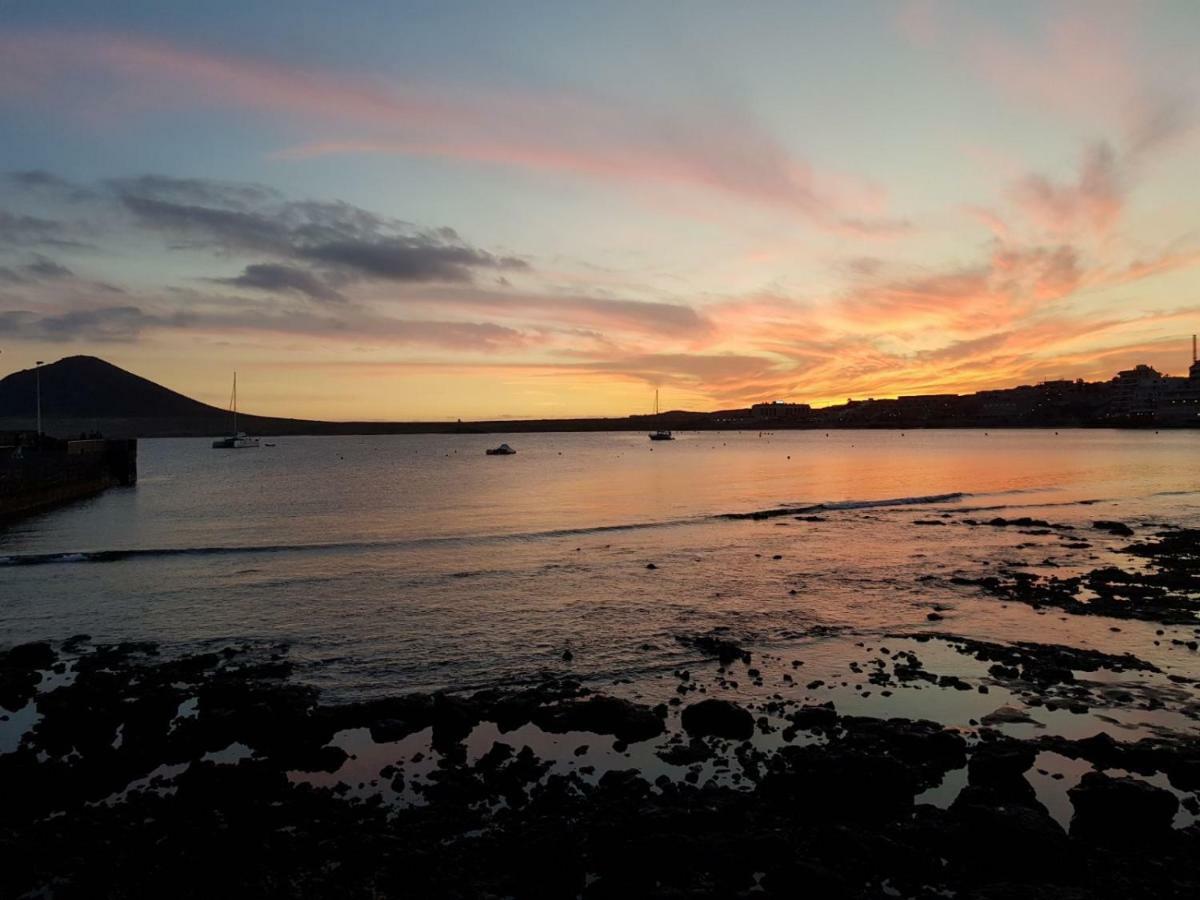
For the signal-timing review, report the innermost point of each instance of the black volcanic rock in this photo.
(1000, 765)
(725, 650)
(814, 716)
(1118, 528)
(623, 719)
(718, 718)
(992, 833)
(19, 672)
(837, 819)
(1120, 810)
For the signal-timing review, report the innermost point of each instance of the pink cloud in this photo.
(717, 149)
(1078, 59)
(1094, 201)
(920, 21)
(1084, 60)
(996, 225)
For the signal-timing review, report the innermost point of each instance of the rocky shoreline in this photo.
(133, 773)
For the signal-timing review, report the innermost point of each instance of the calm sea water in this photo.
(402, 562)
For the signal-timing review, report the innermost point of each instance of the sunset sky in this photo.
(387, 210)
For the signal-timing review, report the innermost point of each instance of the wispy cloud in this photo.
(1093, 201)
(337, 237)
(720, 148)
(104, 324)
(276, 277)
(337, 254)
(21, 230)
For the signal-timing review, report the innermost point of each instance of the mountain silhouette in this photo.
(85, 394)
(85, 387)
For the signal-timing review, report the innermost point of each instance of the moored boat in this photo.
(239, 441)
(659, 434)
(236, 440)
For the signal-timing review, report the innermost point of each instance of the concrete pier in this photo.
(40, 472)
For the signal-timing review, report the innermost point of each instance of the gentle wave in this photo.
(109, 556)
(840, 505)
(1048, 505)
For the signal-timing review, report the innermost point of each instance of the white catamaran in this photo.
(237, 440)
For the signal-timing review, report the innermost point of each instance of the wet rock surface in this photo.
(1121, 810)
(138, 773)
(21, 672)
(124, 787)
(1044, 663)
(718, 718)
(601, 715)
(1161, 584)
(717, 644)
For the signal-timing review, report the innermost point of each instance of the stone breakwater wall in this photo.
(32, 479)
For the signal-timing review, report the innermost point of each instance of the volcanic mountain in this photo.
(84, 387)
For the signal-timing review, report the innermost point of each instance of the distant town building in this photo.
(780, 411)
(1137, 393)
(1138, 397)
(1145, 395)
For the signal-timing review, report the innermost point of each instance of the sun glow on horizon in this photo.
(550, 230)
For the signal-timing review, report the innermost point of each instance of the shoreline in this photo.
(738, 778)
(262, 426)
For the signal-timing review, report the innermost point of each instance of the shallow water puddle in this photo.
(1051, 776)
(1054, 775)
(413, 757)
(591, 755)
(160, 780)
(15, 724)
(944, 794)
(230, 756)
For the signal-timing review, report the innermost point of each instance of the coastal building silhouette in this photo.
(1143, 394)
(779, 410)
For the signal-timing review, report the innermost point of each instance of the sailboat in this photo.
(659, 434)
(237, 440)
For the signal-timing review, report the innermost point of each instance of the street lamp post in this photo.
(38, 379)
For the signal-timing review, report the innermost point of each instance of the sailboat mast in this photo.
(233, 403)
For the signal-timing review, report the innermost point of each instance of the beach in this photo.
(867, 664)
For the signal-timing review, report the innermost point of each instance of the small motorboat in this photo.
(502, 450)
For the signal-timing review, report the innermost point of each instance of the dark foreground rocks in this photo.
(1160, 584)
(1121, 810)
(718, 718)
(118, 791)
(715, 643)
(624, 720)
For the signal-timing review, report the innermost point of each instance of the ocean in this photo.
(398, 563)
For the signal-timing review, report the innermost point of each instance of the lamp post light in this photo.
(38, 380)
